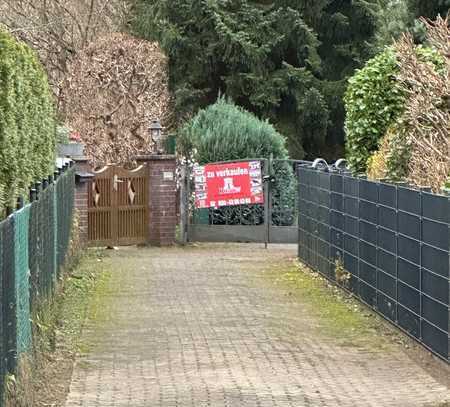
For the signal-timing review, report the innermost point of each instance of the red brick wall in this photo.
(162, 219)
(162, 200)
(81, 197)
(81, 205)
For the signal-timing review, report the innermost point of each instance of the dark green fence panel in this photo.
(393, 240)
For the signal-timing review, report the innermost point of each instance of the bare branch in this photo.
(427, 111)
(114, 88)
(58, 29)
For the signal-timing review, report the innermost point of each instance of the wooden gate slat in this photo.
(113, 218)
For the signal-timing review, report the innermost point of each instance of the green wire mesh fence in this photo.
(34, 242)
(22, 286)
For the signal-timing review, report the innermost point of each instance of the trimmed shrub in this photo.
(391, 158)
(373, 101)
(224, 132)
(376, 164)
(397, 153)
(27, 119)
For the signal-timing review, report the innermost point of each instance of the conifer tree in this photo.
(398, 16)
(286, 60)
(429, 8)
(394, 18)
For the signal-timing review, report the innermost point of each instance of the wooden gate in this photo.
(118, 207)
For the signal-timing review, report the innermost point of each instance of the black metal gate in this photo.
(276, 221)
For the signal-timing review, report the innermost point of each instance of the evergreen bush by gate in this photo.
(226, 132)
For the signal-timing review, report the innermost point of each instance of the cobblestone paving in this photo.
(197, 327)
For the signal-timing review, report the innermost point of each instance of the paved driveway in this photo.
(200, 326)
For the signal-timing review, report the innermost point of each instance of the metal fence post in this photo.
(267, 174)
(187, 200)
(396, 255)
(37, 187)
(299, 213)
(20, 203)
(184, 202)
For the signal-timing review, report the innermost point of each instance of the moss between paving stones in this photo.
(82, 299)
(338, 314)
(57, 334)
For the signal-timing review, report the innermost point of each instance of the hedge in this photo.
(27, 120)
(374, 103)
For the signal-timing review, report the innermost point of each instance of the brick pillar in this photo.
(83, 176)
(162, 199)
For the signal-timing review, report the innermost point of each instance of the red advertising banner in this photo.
(228, 184)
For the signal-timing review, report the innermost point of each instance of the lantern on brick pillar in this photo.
(156, 133)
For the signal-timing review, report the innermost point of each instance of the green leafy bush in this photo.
(62, 134)
(447, 183)
(398, 153)
(224, 131)
(375, 102)
(27, 119)
(392, 157)
(376, 164)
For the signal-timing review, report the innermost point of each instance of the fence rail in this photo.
(34, 241)
(393, 243)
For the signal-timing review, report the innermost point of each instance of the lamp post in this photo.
(156, 135)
